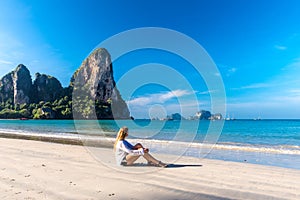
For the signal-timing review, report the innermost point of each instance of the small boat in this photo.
(23, 118)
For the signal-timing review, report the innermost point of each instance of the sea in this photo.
(264, 142)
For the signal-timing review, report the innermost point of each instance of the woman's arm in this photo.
(128, 148)
(139, 145)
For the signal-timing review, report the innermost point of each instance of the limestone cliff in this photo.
(96, 95)
(22, 85)
(95, 79)
(46, 88)
(15, 87)
(7, 88)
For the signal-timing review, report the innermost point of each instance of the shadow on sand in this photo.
(169, 165)
(181, 165)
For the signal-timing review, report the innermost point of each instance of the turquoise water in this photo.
(267, 142)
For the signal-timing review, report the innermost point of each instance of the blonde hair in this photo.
(121, 135)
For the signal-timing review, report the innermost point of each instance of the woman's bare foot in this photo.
(161, 164)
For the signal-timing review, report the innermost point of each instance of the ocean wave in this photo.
(276, 149)
(156, 144)
(291, 150)
(41, 133)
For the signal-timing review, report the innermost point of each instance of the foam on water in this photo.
(263, 142)
(280, 149)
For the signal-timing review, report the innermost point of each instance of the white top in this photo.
(123, 148)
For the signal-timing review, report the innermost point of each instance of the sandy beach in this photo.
(41, 170)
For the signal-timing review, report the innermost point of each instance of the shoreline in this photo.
(222, 152)
(43, 170)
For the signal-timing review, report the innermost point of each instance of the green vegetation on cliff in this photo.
(59, 109)
(92, 93)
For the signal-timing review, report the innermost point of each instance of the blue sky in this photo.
(255, 45)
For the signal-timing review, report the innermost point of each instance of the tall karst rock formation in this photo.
(92, 92)
(95, 79)
(15, 87)
(22, 85)
(7, 88)
(46, 88)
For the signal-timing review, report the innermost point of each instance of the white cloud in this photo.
(217, 74)
(173, 94)
(295, 92)
(265, 106)
(8, 41)
(5, 62)
(139, 101)
(231, 71)
(226, 70)
(157, 98)
(158, 104)
(255, 86)
(207, 92)
(293, 66)
(280, 47)
(28, 45)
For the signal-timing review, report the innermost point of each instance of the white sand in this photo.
(40, 170)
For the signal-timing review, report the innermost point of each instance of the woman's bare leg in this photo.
(130, 159)
(150, 158)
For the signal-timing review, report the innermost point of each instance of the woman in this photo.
(126, 153)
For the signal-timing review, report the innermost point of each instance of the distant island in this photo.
(44, 98)
(200, 115)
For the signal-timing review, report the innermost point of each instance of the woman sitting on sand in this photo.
(126, 153)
